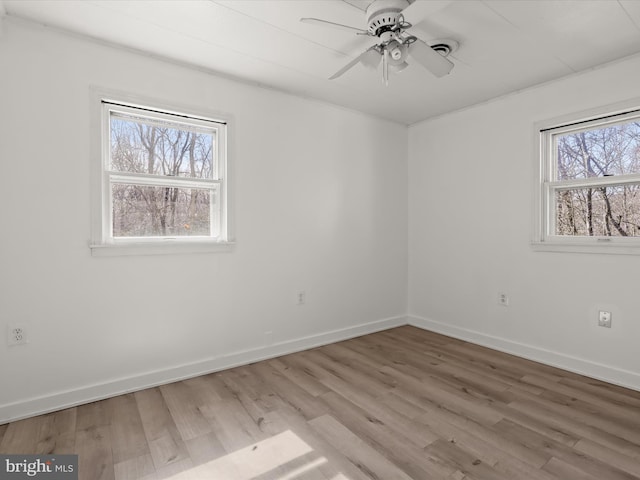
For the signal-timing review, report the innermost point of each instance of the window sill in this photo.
(584, 247)
(155, 248)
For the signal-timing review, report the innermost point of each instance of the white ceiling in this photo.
(505, 45)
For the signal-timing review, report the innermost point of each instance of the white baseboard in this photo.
(99, 391)
(606, 373)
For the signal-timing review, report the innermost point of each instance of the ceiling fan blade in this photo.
(430, 59)
(420, 10)
(317, 21)
(363, 57)
(399, 67)
(371, 58)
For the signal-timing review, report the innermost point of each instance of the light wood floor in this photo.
(397, 405)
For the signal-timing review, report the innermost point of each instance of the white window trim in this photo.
(100, 243)
(543, 217)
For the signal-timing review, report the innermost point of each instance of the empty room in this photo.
(320, 239)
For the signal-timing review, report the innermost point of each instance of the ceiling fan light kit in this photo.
(394, 46)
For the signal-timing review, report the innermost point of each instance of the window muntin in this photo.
(163, 176)
(590, 180)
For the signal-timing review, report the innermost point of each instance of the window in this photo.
(589, 188)
(162, 181)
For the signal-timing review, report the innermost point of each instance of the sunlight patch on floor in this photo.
(258, 459)
(305, 468)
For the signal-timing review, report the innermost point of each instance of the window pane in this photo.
(160, 148)
(600, 152)
(603, 211)
(143, 211)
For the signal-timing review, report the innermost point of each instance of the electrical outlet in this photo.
(503, 299)
(301, 297)
(604, 319)
(16, 335)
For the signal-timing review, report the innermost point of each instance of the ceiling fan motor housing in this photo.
(384, 14)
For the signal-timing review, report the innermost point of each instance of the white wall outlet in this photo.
(301, 298)
(503, 299)
(16, 335)
(604, 319)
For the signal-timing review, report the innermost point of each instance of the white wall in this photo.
(470, 225)
(321, 206)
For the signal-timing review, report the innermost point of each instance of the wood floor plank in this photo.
(205, 389)
(22, 436)
(95, 458)
(565, 421)
(165, 442)
(407, 456)
(562, 469)
(58, 432)
(614, 394)
(432, 390)
(367, 401)
(450, 453)
(289, 392)
(93, 414)
(128, 439)
(410, 353)
(374, 383)
(304, 467)
(205, 448)
(475, 443)
(628, 420)
(250, 390)
(612, 457)
(515, 469)
(307, 383)
(570, 456)
(181, 470)
(457, 429)
(337, 465)
(356, 450)
(572, 391)
(557, 431)
(360, 365)
(135, 468)
(184, 405)
(236, 423)
(403, 404)
(520, 366)
(232, 425)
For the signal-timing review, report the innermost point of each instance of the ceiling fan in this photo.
(395, 46)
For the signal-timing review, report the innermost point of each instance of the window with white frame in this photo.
(589, 189)
(163, 180)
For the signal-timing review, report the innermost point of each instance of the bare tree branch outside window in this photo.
(164, 150)
(608, 210)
